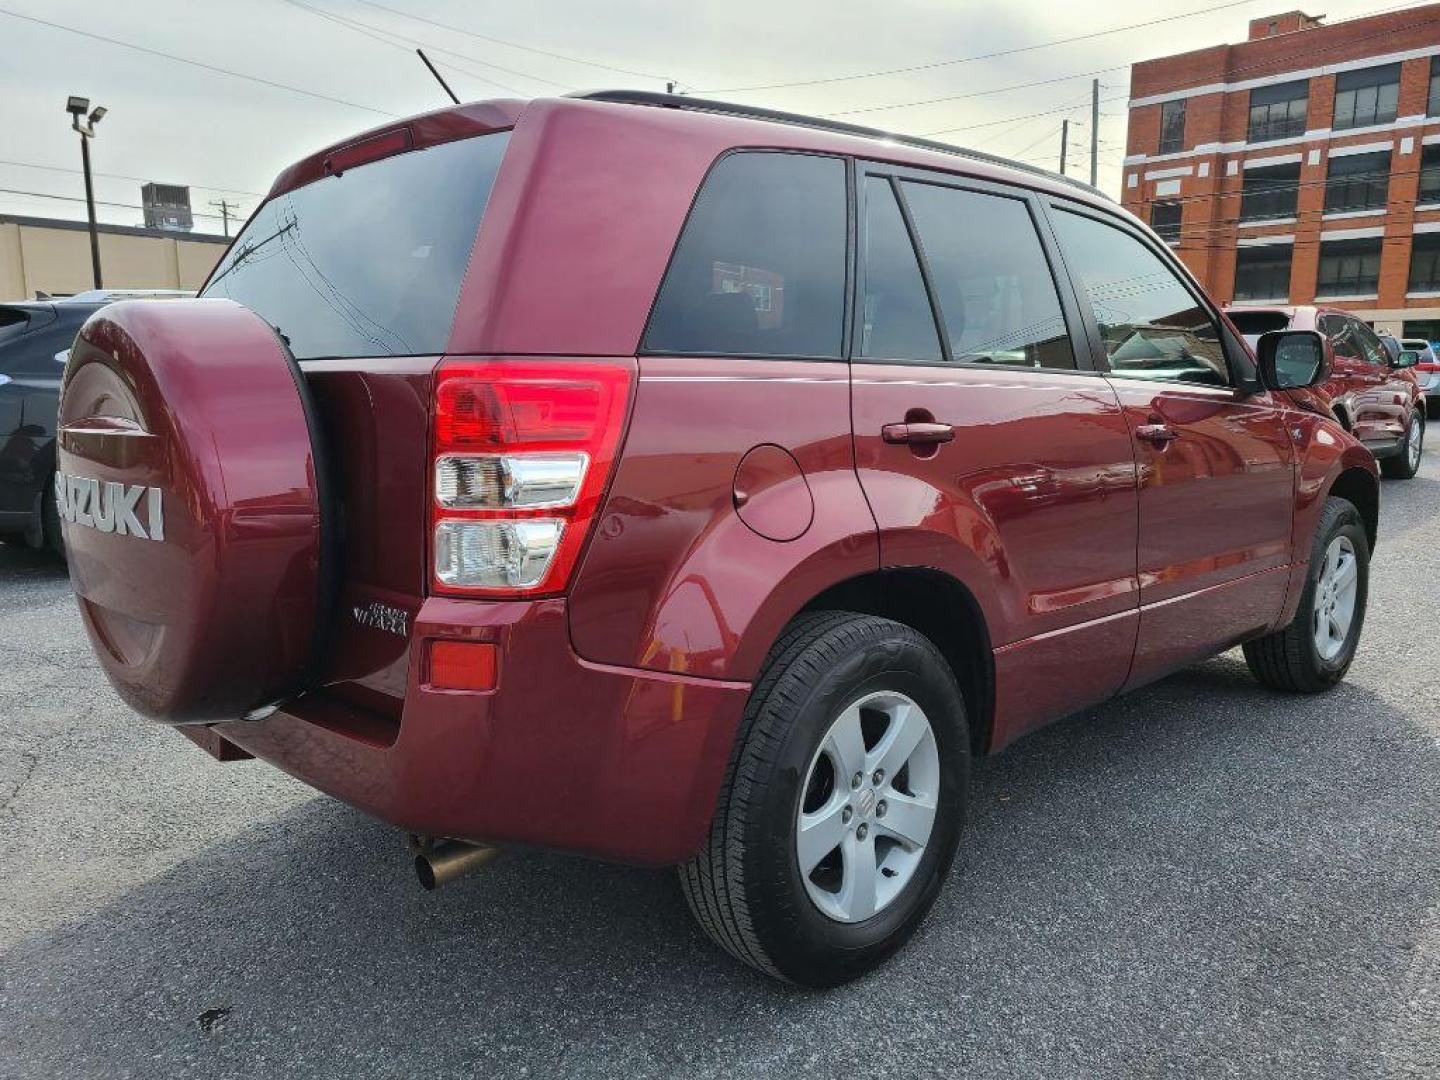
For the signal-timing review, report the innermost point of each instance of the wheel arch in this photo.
(1360, 487)
(945, 611)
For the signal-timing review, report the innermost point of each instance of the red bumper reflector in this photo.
(462, 665)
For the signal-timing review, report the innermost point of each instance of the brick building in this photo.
(1300, 165)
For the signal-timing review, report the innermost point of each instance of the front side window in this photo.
(1425, 263)
(1165, 220)
(1152, 324)
(368, 262)
(1172, 127)
(1370, 344)
(1263, 273)
(1278, 112)
(1349, 267)
(1429, 175)
(896, 320)
(990, 276)
(1357, 182)
(760, 267)
(1368, 96)
(1269, 192)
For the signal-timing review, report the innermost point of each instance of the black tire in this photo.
(1289, 659)
(745, 887)
(1400, 467)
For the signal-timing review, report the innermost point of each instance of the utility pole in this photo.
(226, 208)
(1064, 143)
(1094, 131)
(77, 107)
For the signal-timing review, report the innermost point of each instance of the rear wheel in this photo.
(1314, 652)
(1406, 464)
(843, 803)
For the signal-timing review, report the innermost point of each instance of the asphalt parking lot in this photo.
(1203, 879)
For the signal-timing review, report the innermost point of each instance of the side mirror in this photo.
(1290, 359)
(1407, 358)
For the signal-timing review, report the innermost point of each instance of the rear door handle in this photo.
(920, 433)
(1159, 434)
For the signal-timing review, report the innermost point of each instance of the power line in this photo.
(1010, 119)
(196, 63)
(976, 93)
(81, 199)
(121, 176)
(516, 45)
(371, 30)
(980, 56)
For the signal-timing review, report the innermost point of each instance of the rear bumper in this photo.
(612, 762)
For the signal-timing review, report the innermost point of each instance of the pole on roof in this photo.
(1094, 131)
(1064, 143)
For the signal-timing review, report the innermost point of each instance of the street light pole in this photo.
(90, 208)
(77, 107)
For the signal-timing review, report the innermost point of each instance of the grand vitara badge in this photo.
(110, 507)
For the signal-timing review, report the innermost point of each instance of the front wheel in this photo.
(843, 802)
(1406, 464)
(1314, 652)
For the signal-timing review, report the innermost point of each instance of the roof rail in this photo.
(726, 108)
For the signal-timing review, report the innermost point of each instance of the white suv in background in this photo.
(1427, 372)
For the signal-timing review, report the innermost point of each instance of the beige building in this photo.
(52, 256)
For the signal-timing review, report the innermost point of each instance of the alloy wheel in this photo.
(868, 806)
(1335, 592)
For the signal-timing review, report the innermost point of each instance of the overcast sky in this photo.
(227, 137)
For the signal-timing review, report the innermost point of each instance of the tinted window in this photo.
(1349, 267)
(1357, 182)
(997, 297)
(1172, 126)
(1263, 272)
(1368, 96)
(1152, 326)
(896, 320)
(13, 323)
(1370, 344)
(1432, 104)
(760, 267)
(1254, 323)
(1165, 220)
(1269, 192)
(1278, 112)
(368, 263)
(1425, 263)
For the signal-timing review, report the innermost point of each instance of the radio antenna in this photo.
(438, 77)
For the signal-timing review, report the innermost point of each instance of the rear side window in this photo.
(760, 267)
(13, 323)
(370, 262)
(989, 272)
(1152, 325)
(897, 323)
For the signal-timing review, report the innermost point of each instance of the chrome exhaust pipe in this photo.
(440, 861)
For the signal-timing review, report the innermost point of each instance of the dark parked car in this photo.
(1375, 394)
(676, 483)
(35, 338)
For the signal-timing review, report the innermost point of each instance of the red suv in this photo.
(1375, 397)
(675, 483)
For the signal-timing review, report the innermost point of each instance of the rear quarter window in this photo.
(760, 266)
(370, 262)
(1252, 324)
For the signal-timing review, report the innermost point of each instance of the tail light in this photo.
(522, 452)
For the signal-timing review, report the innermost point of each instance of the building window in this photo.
(1368, 96)
(1263, 273)
(1357, 182)
(1269, 192)
(1432, 107)
(1172, 126)
(1429, 175)
(1165, 220)
(1349, 267)
(1425, 263)
(1278, 112)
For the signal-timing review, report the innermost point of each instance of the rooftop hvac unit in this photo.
(167, 206)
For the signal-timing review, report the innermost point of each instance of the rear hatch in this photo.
(358, 272)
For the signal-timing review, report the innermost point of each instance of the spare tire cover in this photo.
(190, 496)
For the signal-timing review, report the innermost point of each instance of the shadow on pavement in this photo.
(1203, 877)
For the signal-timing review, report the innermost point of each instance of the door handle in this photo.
(1158, 434)
(917, 433)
